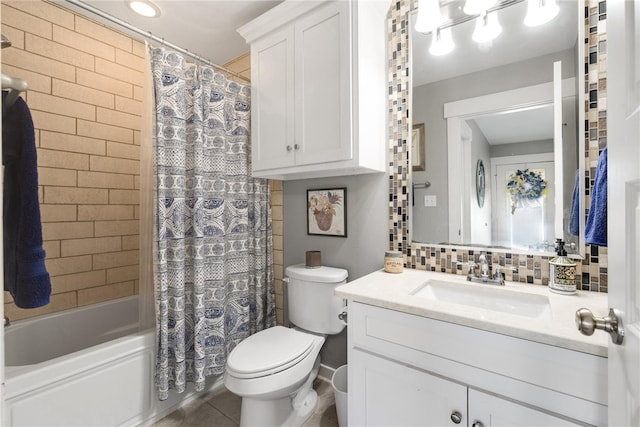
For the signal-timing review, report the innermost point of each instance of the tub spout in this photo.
(7, 322)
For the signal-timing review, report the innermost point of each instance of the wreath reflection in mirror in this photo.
(526, 188)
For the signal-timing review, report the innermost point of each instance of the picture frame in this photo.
(418, 147)
(327, 212)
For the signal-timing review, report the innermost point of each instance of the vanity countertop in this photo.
(395, 292)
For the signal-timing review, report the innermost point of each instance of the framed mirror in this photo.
(474, 89)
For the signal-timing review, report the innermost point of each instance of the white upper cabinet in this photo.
(318, 89)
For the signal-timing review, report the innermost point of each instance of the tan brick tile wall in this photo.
(81, 78)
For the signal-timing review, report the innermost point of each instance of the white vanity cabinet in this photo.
(412, 370)
(318, 89)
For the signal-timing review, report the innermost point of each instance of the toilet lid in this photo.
(268, 352)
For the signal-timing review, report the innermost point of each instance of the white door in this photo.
(623, 140)
(538, 215)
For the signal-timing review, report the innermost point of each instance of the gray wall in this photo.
(428, 103)
(360, 253)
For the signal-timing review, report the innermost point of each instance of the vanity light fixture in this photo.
(144, 8)
(442, 42)
(429, 16)
(487, 27)
(540, 12)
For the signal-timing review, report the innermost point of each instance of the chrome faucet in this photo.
(485, 272)
(7, 322)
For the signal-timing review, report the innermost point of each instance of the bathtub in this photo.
(88, 366)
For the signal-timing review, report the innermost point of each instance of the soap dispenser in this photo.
(562, 272)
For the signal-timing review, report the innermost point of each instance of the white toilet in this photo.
(273, 370)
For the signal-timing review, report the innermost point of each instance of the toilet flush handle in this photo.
(343, 315)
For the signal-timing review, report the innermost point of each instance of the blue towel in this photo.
(25, 274)
(596, 228)
(574, 217)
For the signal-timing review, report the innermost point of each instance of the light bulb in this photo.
(429, 16)
(441, 42)
(144, 8)
(487, 28)
(540, 12)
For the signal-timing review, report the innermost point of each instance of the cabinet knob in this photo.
(289, 148)
(477, 424)
(296, 147)
(456, 417)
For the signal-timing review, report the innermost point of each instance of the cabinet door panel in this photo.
(384, 393)
(272, 98)
(322, 50)
(493, 411)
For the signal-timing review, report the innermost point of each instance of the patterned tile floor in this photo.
(223, 410)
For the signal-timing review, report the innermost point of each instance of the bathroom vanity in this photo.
(432, 349)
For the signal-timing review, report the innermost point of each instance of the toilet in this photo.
(273, 370)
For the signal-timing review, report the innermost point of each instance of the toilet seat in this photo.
(257, 356)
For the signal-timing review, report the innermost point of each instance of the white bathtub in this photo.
(84, 367)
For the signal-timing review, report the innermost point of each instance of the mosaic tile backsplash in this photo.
(522, 268)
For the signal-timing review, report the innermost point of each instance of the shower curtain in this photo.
(212, 244)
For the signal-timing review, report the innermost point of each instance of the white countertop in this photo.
(394, 291)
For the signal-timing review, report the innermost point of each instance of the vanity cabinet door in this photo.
(487, 410)
(385, 393)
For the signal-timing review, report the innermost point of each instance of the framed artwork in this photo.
(417, 147)
(327, 212)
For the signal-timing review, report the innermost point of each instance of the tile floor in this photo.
(223, 410)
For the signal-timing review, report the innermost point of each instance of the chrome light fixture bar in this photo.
(465, 18)
(431, 21)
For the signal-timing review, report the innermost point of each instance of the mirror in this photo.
(501, 175)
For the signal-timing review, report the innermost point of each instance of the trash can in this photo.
(339, 384)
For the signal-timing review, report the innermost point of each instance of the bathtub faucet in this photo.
(7, 322)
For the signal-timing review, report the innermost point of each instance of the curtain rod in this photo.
(149, 35)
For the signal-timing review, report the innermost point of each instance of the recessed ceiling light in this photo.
(145, 8)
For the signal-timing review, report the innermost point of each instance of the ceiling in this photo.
(204, 27)
(535, 124)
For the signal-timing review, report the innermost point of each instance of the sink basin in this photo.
(486, 297)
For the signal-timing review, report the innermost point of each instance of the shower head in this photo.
(5, 42)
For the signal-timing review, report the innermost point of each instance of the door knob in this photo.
(456, 417)
(587, 323)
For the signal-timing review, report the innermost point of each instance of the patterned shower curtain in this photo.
(213, 265)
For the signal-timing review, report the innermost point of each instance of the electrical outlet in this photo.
(430, 201)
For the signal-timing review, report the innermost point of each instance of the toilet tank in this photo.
(311, 302)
